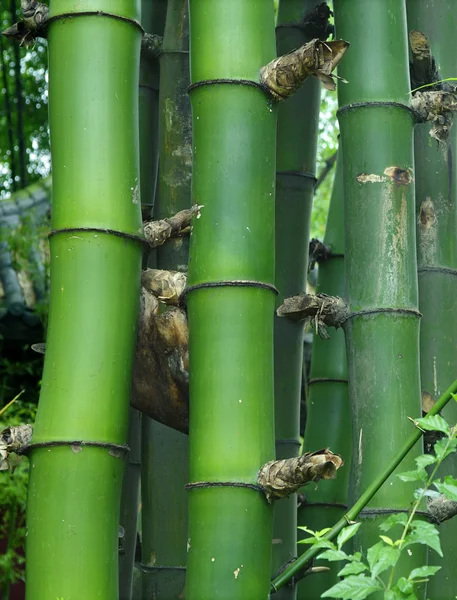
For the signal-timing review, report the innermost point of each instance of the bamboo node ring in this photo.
(95, 13)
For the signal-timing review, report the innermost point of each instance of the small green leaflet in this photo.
(354, 587)
(448, 488)
(421, 572)
(381, 557)
(352, 568)
(396, 594)
(445, 447)
(434, 423)
(423, 533)
(417, 475)
(396, 519)
(318, 544)
(424, 460)
(334, 555)
(405, 586)
(346, 534)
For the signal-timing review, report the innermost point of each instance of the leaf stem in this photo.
(419, 500)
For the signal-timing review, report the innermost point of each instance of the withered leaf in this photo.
(280, 478)
(13, 439)
(285, 74)
(166, 286)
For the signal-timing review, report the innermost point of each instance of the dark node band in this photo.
(326, 380)
(153, 568)
(325, 504)
(289, 442)
(116, 450)
(95, 13)
(247, 82)
(376, 311)
(290, 26)
(228, 283)
(235, 484)
(305, 174)
(128, 236)
(375, 512)
(152, 88)
(174, 52)
(446, 270)
(376, 104)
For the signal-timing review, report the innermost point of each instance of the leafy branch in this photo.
(361, 576)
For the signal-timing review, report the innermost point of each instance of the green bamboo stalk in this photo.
(298, 124)
(129, 507)
(153, 20)
(364, 498)
(74, 492)
(231, 327)
(328, 412)
(153, 14)
(164, 512)
(383, 335)
(436, 208)
(165, 451)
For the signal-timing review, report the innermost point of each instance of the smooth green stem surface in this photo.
(130, 507)
(231, 328)
(165, 451)
(352, 514)
(382, 335)
(436, 218)
(164, 506)
(298, 124)
(153, 21)
(74, 491)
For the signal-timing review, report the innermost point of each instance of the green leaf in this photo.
(352, 568)
(346, 534)
(396, 519)
(354, 587)
(405, 586)
(318, 544)
(424, 533)
(421, 572)
(434, 423)
(445, 447)
(387, 540)
(381, 557)
(420, 492)
(417, 475)
(333, 555)
(396, 594)
(424, 460)
(448, 488)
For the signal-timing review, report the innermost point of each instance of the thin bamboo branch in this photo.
(349, 517)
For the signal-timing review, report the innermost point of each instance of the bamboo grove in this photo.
(167, 458)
